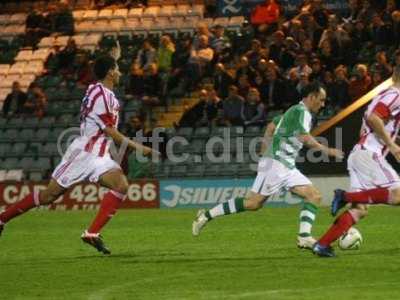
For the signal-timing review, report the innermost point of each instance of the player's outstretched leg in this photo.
(339, 227)
(373, 196)
(116, 181)
(312, 198)
(233, 206)
(35, 199)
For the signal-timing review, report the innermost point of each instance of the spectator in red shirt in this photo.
(265, 14)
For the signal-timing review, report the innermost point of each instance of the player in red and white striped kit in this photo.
(372, 178)
(88, 157)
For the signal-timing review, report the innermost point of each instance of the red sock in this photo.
(108, 208)
(339, 227)
(16, 209)
(373, 196)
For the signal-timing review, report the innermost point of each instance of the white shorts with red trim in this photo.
(78, 165)
(272, 176)
(369, 170)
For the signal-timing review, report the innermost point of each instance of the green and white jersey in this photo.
(285, 145)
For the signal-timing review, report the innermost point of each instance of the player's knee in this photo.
(315, 197)
(363, 213)
(252, 204)
(395, 196)
(121, 187)
(47, 196)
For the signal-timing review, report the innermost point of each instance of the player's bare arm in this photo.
(119, 138)
(269, 133)
(378, 126)
(310, 142)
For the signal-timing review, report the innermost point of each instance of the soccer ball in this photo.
(351, 240)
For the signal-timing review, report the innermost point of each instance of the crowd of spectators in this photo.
(349, 54)
(19, 103)
(56, 20)
(241, 78)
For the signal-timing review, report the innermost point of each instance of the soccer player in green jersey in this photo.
(277, 169)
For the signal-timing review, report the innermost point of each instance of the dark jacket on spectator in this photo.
(232, 107)
(20, 98)
(275, 93)
(222, 82)
(341, 95)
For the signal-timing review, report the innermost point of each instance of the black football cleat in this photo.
(322, 251)
(96, 241)
(1, 228)
(338, 201)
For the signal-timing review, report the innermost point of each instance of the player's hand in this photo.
(116, 51)
(395, 150)
(336, 153)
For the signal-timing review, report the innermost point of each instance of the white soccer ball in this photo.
(351, 240)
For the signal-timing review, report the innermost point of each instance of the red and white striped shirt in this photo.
(100, 109)
(386, 105)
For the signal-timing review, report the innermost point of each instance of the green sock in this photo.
(307, 218)
(232, 206)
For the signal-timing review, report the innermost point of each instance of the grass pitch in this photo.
(246, 256)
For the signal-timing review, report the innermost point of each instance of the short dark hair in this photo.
(313, 87)
(103, 65)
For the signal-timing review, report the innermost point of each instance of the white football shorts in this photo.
(272, 176)
(368, 171)
(78, 165)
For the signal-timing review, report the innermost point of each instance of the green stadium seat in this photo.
(34, 149)
(65, 120)
(70, 107)
(56, 161)
(77, 93)
(5, 150)
(9, 135)
(10, 163)
(55, 134)
(53, 81)
(41, 164)
(170, 132)
(54, 108)
(212, 170)
(252, 131)
(228, 169)
(42, 135)
(197, 146)
(35, 176)
(179, 148)
(161, 170)
(246, 171)
(17, 150)
(47, 122)
(237, 131)
(26, 163)
(26, 135)
(220, 131)
(202, 132)
(178, 171)
(30, 122)
(3, 122)
(15, 122)
(50, 149)
(196, 170)
(185, 132)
